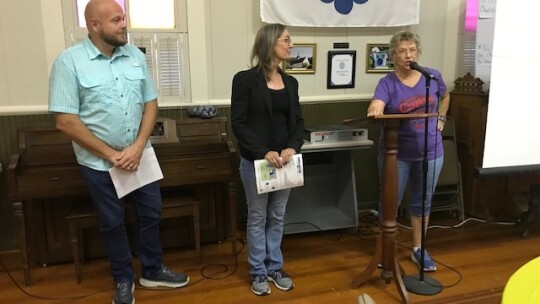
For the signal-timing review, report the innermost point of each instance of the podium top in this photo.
(388, 116)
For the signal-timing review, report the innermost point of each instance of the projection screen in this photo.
(512, 143)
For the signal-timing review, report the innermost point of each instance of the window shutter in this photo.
(146, 42)
(165, 61)
(469, 53)
(169, 60)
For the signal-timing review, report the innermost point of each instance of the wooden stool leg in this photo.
(82, 254)
(232, 216)
(74, 234)
(197, 233)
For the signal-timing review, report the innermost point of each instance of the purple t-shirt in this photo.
(401, 99)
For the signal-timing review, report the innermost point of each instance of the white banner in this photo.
(341, 13)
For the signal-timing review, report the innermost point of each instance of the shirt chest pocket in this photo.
(134, 84)
(96, 91)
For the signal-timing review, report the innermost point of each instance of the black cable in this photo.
(221, 273)
(335, 237)
(203, 270)
(224, 267)
(366, 225)
(373, 221)
(460, 276)
(77, 297)
(370, 220)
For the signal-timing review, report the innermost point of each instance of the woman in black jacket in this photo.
(267, 122)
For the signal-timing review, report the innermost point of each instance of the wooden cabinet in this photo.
(45, 183)
(485, 197)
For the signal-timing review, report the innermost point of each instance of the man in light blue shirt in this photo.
(104, 100)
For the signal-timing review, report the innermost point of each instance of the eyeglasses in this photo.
(405, 52)
(287, 40)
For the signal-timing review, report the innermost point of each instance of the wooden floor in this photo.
(474, 263)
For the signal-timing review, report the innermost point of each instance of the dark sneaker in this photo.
(124, 293)
(259, 285)
(281, 279)
(164, 277)
(429, 265)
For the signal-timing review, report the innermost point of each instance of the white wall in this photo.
(23, 62)
(220, 38)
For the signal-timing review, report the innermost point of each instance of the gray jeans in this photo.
(266, 213)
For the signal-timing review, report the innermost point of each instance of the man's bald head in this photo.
(95, 10)
(106, 24)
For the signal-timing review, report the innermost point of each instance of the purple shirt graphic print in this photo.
(401, 99)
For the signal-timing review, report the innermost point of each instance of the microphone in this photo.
(414, 66)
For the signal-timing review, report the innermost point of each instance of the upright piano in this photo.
(45, 183)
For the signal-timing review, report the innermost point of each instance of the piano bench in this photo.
(173, 207)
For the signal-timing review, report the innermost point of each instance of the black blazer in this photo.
(251, 114)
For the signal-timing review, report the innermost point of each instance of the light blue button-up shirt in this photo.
(107, 93)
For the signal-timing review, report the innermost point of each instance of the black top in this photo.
(280, 114)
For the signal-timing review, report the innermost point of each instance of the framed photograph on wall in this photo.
(378, 59)
(303, 59)
(341, 69)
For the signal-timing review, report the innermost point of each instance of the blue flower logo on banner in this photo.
(344, 6)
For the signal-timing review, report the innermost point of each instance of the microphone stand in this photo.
(421, 284)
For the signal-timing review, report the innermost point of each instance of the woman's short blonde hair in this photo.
(404, 35)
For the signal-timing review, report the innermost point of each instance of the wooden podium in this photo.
(385, 250)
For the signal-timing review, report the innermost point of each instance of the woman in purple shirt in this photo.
(404, 92)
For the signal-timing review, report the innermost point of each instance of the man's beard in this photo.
(113, 40)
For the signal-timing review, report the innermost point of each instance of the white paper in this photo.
(270, 178)
(148, 171)
(487, 9)
(484, 54)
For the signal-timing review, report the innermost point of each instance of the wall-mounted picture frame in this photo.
(378, 59)
(303, 59)
(341, 69)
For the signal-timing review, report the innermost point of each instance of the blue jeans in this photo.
(147, 202)
(412, 172)
(266, 213)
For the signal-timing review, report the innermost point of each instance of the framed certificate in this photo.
(341, 69)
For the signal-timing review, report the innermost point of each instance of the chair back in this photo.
(450, 169)
(448, 194)
(449, 131)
